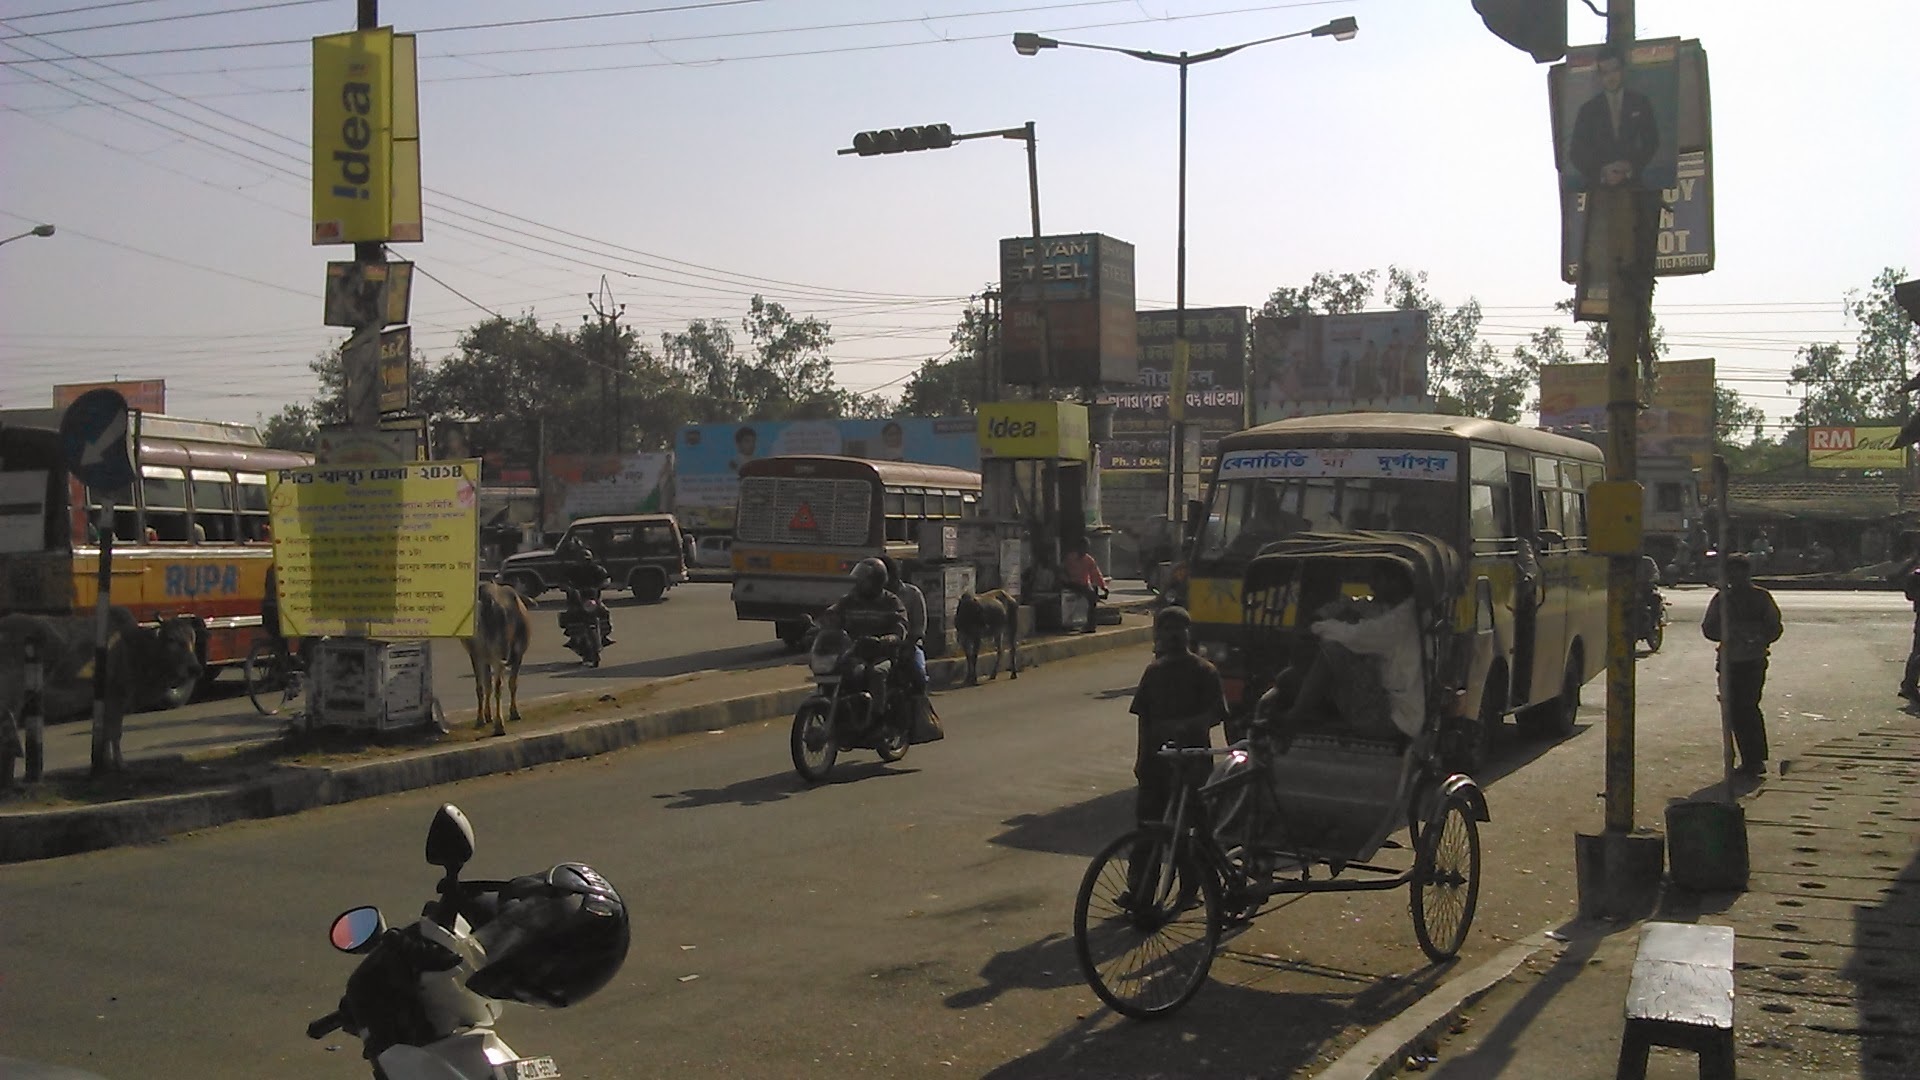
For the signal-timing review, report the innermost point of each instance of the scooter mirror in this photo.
(449, 839)
(357, 929)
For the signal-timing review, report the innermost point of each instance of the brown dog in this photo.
(990, 613)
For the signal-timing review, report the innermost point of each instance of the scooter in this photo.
(425, 998)
(1650, 620)
(586, 625)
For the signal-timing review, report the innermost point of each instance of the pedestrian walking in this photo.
(1907, 578)
(1753, 624)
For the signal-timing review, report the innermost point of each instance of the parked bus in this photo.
(191, 538)
(804, 520)
(1485, 487)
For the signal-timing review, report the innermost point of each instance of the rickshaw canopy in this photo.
(1432, 566)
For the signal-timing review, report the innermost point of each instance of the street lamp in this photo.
(1341, 29)
(37, 230)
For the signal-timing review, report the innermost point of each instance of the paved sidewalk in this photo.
(1827, 952)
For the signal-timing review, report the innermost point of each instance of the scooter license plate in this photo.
(827, 680)
(538, 1068)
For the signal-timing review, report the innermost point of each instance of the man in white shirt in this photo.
(1380, 632)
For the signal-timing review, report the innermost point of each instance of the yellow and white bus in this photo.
(1496, 492)
(804, 520)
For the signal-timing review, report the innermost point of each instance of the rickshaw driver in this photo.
(1380, 633)
(1179, 702)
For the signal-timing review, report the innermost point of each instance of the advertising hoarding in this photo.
(1855, 448)
(366, 138)
(143, 395)
(1033, 429)
(376, 551)
(1315, 364)
(1216, 389)
(1677, 422)
(1086, 281)
(707, 457)
(586, 485)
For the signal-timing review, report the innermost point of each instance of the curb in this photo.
(46, 834)
(1385, 1049)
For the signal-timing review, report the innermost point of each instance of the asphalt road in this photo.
(692, 629)
(903, 920)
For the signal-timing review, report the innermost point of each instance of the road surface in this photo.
(909, 920)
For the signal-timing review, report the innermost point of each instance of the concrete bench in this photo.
(1681, 996)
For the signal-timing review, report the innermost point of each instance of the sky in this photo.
(684, 150)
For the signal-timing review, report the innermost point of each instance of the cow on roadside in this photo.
(502, 632)
(993, 613)
(142, 662)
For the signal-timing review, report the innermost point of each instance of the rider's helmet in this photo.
(559, 937)
(869, 577)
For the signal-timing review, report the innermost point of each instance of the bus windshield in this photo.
(1248, 514)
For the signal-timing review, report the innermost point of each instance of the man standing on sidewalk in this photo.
(1753, 624)
(1907, 579)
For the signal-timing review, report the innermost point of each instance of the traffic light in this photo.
(1535, 27)
(903, 140)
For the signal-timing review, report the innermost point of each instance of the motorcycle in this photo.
(844, 711)
(586, 624)
(1650, 620)
(424, 1000)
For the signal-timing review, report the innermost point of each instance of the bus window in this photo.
(895, 503)
(897, 529)
(1489, 465)
(1573, 509)
(952, 506)
(165, 492)
(1546, 472)
(253, 507)
(1491, 517)
(213, 505)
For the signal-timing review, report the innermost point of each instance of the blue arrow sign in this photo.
(93, 432)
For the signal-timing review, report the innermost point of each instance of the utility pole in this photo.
(360, 356)
(609, 312)
(1619, 871)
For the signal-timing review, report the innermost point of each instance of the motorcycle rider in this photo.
(874, 617)
(915, 602)
(580, 571)
(1648, 580)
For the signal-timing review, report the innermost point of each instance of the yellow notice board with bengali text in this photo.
(387, 551)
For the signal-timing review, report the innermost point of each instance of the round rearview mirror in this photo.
(354, 930)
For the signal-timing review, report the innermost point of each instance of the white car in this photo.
(714, 553)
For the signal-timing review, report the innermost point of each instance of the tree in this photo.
(1325, 293)
(1465, 375)
(292, 428)
(949, 385)
(1865, 387)
(1735, 423)
(786, 373)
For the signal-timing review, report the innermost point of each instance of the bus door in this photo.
(1528, 581)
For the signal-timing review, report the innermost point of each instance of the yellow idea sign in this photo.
(385, 551)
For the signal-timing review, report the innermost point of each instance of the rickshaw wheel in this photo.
(1145, 958)
(1446, 880)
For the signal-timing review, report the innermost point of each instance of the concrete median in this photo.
(43, 834)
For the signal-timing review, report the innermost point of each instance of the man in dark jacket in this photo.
(1614, 134)
(874, 617)
(1753, 624)
(1907, 577)
(1179, 701)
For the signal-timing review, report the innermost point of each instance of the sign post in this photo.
(94, 436)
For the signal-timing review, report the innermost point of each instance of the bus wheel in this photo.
(1475, 749)
(1555, 719)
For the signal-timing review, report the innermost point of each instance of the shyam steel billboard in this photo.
(1086, 283)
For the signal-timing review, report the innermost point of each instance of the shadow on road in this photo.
(1227, 1030)
(1080, 829)
(774, 787)
(1495, 1050)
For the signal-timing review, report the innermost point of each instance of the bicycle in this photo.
(275, 677)
(1150, 910)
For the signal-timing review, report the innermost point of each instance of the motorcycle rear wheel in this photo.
(1656, 636)
(812, 743)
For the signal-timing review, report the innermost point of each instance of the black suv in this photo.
(642, 552)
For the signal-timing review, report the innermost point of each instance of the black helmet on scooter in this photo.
(559, 937)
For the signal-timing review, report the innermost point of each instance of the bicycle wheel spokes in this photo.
(266, 677)
(1446, 885)
(1144, 945)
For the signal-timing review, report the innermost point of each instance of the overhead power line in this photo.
(170, 18)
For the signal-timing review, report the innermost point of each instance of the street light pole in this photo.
(1341, 29)
(37, 230)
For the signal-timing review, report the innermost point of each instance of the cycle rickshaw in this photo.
(1311, 794)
